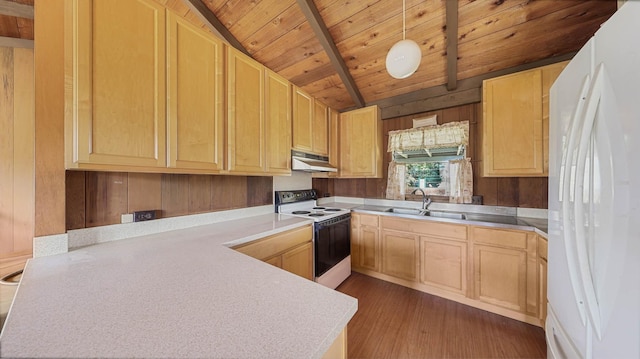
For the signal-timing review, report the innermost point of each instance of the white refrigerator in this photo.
(594, 197)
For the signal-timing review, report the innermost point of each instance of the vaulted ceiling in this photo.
(336, 49)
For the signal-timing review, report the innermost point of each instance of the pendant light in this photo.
(404, 56)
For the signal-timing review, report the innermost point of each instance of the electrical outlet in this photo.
(126, 218)
(140, 216)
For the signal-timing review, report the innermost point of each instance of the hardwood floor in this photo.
(397, 322)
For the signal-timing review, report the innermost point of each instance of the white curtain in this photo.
(460, 181)
(396, 187)
(450, 134)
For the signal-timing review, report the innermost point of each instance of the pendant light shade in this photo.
(404, 56)
(403, 59)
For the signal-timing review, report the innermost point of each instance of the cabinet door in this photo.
(278, 123)
(320, 129)
(275, 261)
(361, 143)
(543, 245)
(369, 248)
(117, 91)
(302, 121)
(196, 100)
(400, 255)
(334, 139)
(299, 261)
(512, 127)
(245, 119)
(542, 290)
(501, 276)
(549, 74)
(444, 264)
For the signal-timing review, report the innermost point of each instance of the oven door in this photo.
(332, 243)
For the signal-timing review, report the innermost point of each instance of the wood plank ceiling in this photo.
(492, 35)
(345, 68)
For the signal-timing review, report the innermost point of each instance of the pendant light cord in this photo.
(404, 25)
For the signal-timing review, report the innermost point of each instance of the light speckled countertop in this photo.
(178, 294)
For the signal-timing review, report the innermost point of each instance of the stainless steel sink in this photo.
(443, 214)
(422, 212)
(418, 212)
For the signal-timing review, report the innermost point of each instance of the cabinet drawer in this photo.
(500, 237)
(542, 247)
(277, 243)
(369, 220)
(431, 228)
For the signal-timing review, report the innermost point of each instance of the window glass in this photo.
(431, 177)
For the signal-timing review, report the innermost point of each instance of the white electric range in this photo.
(332, 234)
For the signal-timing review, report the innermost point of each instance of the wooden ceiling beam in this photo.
(452, 44)
(214, 24)
(16, 9)
(312, 14)
(439, 97)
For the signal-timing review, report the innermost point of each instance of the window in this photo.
(432, 158)
(428, 169)
(429, 176)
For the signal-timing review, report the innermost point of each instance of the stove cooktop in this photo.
(302, 203)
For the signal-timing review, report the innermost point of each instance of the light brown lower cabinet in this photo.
(365, 242)
(400, 255)
(298, 260)
(443, 264)
(542, 278)
(490, 268)
(338, 350)
(291, 250)
(500, 276)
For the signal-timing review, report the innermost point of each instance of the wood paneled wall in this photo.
(100, 198)
(513, 192)
(17, 121)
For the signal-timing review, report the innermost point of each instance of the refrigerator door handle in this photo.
(586, 278)
(567, 185)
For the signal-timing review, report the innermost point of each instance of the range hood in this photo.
(307, 162)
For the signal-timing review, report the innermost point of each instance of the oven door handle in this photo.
(321, 225)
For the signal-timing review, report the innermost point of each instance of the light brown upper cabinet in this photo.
(245, 114)
(334, 142)
(278, 123)
(302, 121)
(361, 147)
(310, 124)
(515, 120)
(320, 128)
(196, 100)
(115, 62)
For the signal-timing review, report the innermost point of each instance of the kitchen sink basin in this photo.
(443, 214)
(428, 213)
(418, 212)
(422, 212)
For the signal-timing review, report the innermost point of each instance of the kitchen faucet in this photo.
(426, 201)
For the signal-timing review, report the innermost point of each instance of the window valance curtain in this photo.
(448, 135)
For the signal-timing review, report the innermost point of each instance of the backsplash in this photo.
(100, 198)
